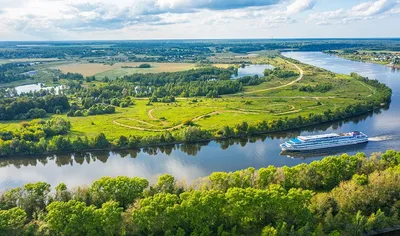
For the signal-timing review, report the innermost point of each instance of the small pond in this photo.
(251, 70)
(35, 87)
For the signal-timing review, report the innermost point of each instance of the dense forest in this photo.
(342, 195)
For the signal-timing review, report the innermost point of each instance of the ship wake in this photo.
(381, 138)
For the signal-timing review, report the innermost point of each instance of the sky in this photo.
(25, 20)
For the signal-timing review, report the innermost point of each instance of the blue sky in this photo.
(182, 19)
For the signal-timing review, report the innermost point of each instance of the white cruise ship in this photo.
(313, 142)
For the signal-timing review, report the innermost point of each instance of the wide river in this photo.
(190, 162)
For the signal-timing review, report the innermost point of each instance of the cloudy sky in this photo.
(182, 19)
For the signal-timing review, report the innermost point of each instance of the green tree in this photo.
(12, 221)
(72, 218)
(121, 189)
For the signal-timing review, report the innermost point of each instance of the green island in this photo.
(339, 195)
(197, 104)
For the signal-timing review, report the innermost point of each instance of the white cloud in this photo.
(372, 8)
(363, 11)
(274, 21)
(300, 6)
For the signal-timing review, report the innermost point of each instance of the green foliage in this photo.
(12, 221)
(33, 106)
(321, 88)
(121, 189)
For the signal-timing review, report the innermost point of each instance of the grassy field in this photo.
(142, 119)
(116, 70)
(229, 57)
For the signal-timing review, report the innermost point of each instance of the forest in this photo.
(338, 195)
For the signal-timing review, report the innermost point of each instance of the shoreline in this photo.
(71, 152)
(365, 61)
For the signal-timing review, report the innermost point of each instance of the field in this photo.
(229, 57)
(116, 70)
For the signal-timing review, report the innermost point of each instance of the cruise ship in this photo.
(313, 142)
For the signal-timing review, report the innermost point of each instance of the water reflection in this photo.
(36, 87)
(251, 70)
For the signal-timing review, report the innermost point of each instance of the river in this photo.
(190, 162)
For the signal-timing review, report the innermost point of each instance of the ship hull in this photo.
(295, 148)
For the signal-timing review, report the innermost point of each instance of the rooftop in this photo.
(305, 138)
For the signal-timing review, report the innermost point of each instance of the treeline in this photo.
(385, 93)
(37, 136)
(202, 74)
(95, 109)
(252, 80)
(279, 73)
(28, 107)
(210, 81)
(71, 76)
(10, 72)
(144, 66)
(343, 195)
(321, 88)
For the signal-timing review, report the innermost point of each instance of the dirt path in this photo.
(160, 130)
(241, 111)
(282, 86)
(150, 114)
(176, 126)
(372, 90)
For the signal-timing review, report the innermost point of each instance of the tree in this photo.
(72, 218)
(34, 198)
(12, 221)
(155, 214)
(269, 231)
(100, 141)
(123, 190)
(62, 193)
(111, 220)
(165, 184)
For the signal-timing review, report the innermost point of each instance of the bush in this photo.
(188, 123)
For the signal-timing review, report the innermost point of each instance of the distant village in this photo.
(390, 58)
(385, 57)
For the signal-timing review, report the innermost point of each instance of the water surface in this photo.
(252, 70)
(190, 162)
(35, 87)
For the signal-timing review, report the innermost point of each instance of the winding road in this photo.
(211, 113)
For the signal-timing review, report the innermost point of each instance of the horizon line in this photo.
(203, 39)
